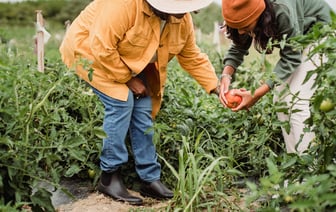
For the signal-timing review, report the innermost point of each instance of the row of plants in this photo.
(50, 128)
(23, 13)
(61, 11)
(46, 133)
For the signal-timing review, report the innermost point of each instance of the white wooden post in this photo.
(67, 25)
(216, 40)
(40, 40)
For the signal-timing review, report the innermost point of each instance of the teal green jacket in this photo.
(294, 17)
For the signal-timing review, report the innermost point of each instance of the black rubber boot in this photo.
(112, 185)
(156, 190)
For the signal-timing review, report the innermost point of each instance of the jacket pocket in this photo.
(133, 45)
(137, 39)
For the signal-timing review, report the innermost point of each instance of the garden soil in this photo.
(97, 202)
(80, 196)
(84, 198)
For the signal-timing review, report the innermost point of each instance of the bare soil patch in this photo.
(87, 199)
(99, 202)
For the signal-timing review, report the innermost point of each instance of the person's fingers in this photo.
(239, 92)
(223, 99)
(238, 108)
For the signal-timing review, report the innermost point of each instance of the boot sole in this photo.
(118, 199)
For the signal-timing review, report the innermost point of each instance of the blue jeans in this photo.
(134, 117)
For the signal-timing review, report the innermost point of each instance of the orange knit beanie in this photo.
(241, 13)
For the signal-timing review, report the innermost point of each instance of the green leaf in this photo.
(74, 169)
(41, 200)
(271, 166)
(289, 163)
(99, 132)
(90, 74)
(77, 154)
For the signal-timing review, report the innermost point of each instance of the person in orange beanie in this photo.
(262, 22)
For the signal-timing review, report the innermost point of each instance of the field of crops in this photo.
(51, 129)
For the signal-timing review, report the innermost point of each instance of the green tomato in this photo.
(288, 199)
(91, 173)
(326, 105)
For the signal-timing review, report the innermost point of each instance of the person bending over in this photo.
(121, 48)
(262, 21)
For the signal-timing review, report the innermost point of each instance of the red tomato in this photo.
(232, 100)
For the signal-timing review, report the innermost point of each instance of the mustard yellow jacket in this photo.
(117, 39)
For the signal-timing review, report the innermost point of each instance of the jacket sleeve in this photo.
(196, 63)
(108, 29)
(316, 11)
(290, 58)
(236, 53)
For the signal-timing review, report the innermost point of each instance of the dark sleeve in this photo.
(235, 55)
(290, 58)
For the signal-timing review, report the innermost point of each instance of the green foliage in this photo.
(193, 130)
(24, 12)
(323, 39)
(307, 183)
(196, 175)
(204, 21)
(62, 10)
(236, 135)
(281, 191)
(50, 128)
(46, 133)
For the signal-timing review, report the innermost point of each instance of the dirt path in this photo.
(97, 202)
(86, 199)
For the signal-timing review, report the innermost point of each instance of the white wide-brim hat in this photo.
(178, 6)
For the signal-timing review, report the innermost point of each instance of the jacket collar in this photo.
(147, 10)
(174, 20)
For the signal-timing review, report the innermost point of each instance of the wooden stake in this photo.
(216, 40)
(40, 40)
(67, 25)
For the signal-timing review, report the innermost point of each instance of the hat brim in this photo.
(178, 6)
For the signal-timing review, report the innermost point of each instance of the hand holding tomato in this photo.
(239, 99)
(233, 100)
(242, 99)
